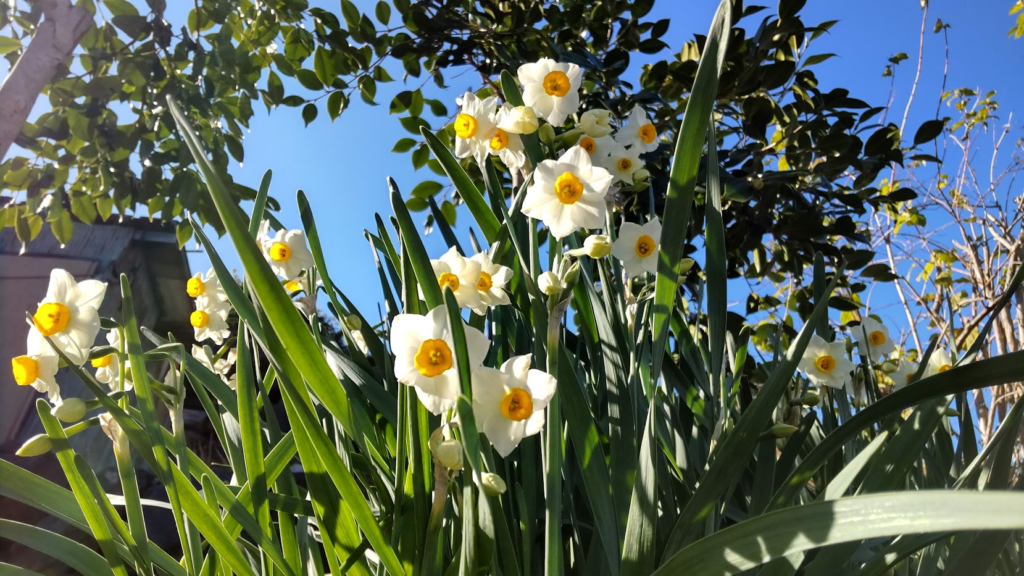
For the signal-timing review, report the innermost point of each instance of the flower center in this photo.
(195, 287)
(644, 246)
(556, 83)
(102, 362)
(568, 188)
(826, 364)
(52, 318)
(625, 164)
(484, 283)
(500, 139)
(433, 358)
(26, 370)
(945, 367)
(292, 286)
(280, 252)
(465, 126)
(877, 337)
(517, 405)
(199, 319)
(647, 133)
(588, 144)
(448, 279)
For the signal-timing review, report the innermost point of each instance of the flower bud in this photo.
(70, 410)
(641, 176)
(810, 399)
(597, 245)
(519, 120)
(448, 453)
(685, 265)
(546, 134)
(35, 446)
(572, 275)
(550, 284)
(353, 322)
(952, 412)
(631, 315)
(782, 430)
(493, 484)
(888, 367)
(596, 123)
(109, 426)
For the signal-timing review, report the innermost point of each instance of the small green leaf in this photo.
(426, 189)
(383, 12)
(928, 131)
(309, 113)
(8, 44)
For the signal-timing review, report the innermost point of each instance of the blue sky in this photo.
(343, 166)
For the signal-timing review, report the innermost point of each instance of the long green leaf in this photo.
(468, 191)
(683, 176)
(783, 532)
(62, 548)
(715, 268)
(587, 447)
(982, 374)
(90, 508)
(732, 455)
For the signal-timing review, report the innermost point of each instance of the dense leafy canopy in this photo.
(801, 158)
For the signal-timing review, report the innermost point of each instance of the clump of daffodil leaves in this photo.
(540, 397)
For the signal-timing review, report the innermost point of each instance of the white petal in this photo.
(504, 434)
(518, 367)
(62, 288)
(91, 293)
(542, 387)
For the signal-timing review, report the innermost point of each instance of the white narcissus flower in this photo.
(425, 356)
(597, 148)
(637, 247)
(68, 315)
(210, 321)
(474, 127)
(38, 371)
(638, 132)
(551, 88)
(596, 123)
(206, 285)
(509, 403)
(568, 193)
(491, 285)
(622, 163)
(286, 251)
(825, 363)
(517, 119)
(219, 366)
(903, 374)
(107, 367)
(461, 275)
(940, 361)
(873, 338)
(505, 144)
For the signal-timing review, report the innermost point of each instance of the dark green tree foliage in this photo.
(799, 160)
